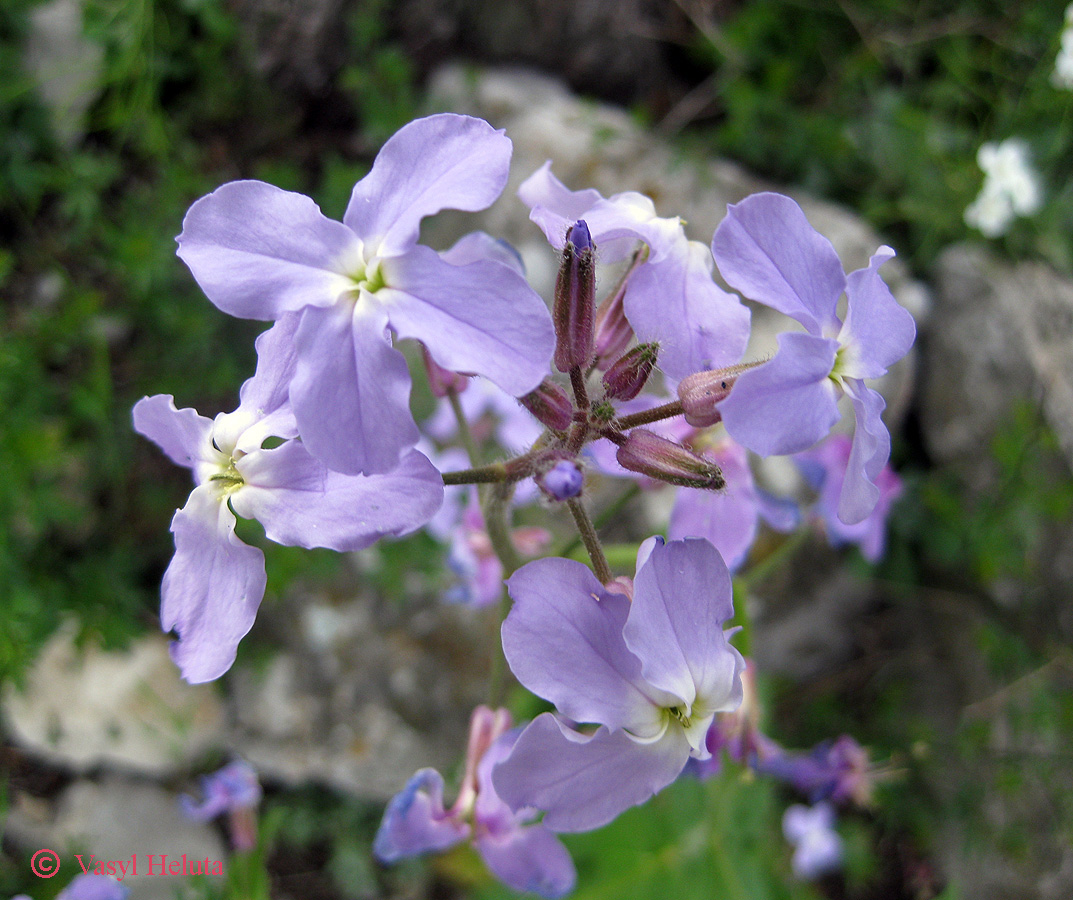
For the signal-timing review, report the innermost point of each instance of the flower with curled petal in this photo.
(215, 582)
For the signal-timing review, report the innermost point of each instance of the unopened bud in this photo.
(625, 379)
(701, 393)
(573, 311)
(655, 456)
(442, 381)
(563, 481)
(613, 332)
(550, 405)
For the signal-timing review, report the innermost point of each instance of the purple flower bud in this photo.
(550, 405)
(625, 379)
(442, 381)
(646, 452)
(702, 392)
(563, 481)
(613, 331)
(573, 311)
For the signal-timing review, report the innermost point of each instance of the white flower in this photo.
(1062, 76)
(1011, 187)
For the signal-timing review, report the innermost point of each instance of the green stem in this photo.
(491, 474)
(591, 541)
(464, 433)
(495, 505)
(656, 414)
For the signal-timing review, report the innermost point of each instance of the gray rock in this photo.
(361, 691)
(114, 820)
(85, 707)
(1001, 333)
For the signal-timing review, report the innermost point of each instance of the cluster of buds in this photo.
(589, 339)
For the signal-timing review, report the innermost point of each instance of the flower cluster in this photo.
(647, 382)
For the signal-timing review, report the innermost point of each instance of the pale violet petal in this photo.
(211, 589)
(258, 251)
(877, 331)
(444, 161)
(868, 455)
(767, 250)
(351, 391)
(415, 821)
(482, 317)
(676, 304)
(682, 597)
(183, 434)
(301, 503)
(728, 518)
(583, 782)
(563, 641)
(788, 403)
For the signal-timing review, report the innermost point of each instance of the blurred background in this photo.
(950, 658)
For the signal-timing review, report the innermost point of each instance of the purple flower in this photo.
(825, 467)
(260, 252)
(833, 770)
(235, 786)
(817, 846)
(524, 855)
(651, 673)
(215, 582)
(233, 790)
(93, 887)
(766, 249)
(671, 298)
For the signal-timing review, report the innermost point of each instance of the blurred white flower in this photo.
(1062, 76)
(1011, 187)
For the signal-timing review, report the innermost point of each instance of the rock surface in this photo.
(84, 708)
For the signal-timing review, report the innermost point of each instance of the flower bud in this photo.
(442, 381)
(563, 481)
(550, 405)
(646, 452)
(701, 393)
(613, 332)
(573, 310)
(625, 379)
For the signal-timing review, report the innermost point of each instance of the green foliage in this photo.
(717, 838)
(1009, 533)
(884, 105)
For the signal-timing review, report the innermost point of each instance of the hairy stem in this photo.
(591, 541)
(656, 414)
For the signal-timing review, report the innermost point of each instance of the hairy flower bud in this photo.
(646, 452)
(702, 392)
(573, 311)
(625, 379)
(550, 405)
(563, 481)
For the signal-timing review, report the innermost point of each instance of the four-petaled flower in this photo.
(651, 673)
(215, 582)
(766, 249)
(260, 252)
